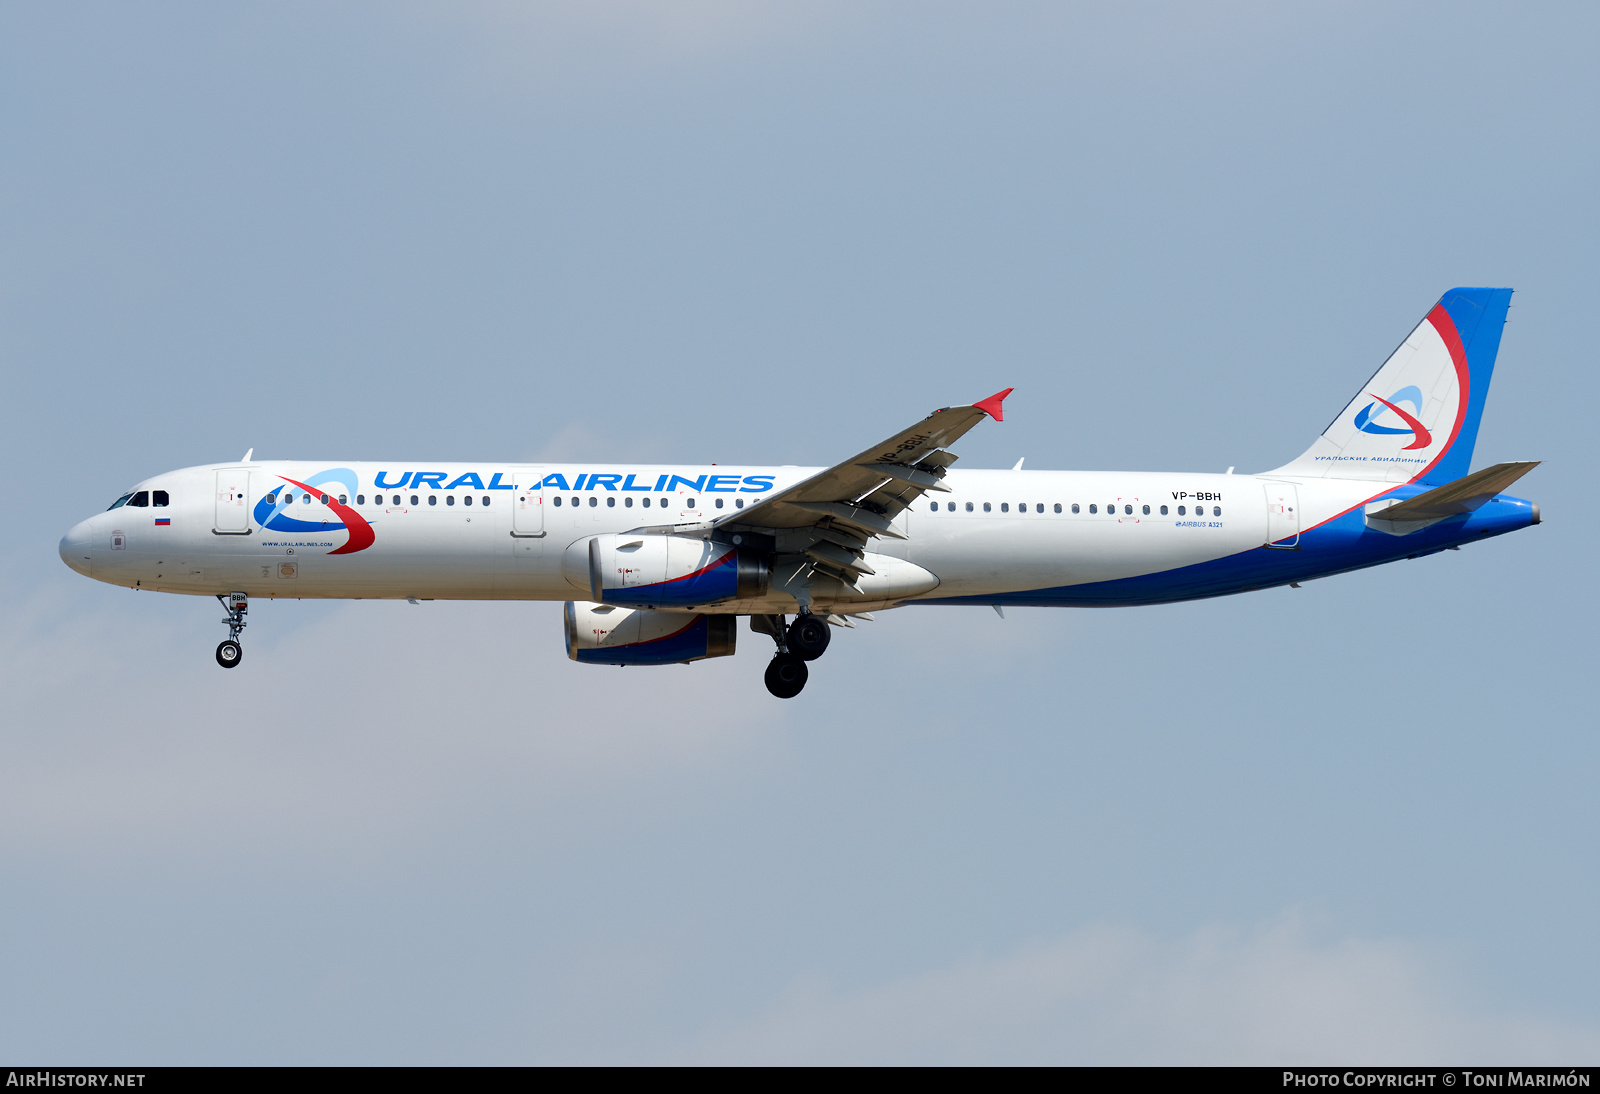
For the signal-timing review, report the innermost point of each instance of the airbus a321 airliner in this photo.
(666, 559)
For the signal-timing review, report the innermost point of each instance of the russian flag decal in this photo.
(163, 521)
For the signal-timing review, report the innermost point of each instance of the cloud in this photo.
(1117, 995)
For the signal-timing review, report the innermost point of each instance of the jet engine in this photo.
(657, 571)
(604, 634)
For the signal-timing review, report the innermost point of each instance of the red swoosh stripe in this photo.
(361, 534)
(1446, 328)
(1422, 439)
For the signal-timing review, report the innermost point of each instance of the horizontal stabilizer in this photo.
(1450, 500)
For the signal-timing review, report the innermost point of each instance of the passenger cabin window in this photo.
(1074, 507)
(949, 506)
(413, 499)
(969, 507)
(159, 498)
(323, 498)
(593, 501)
(646, 503)
(689, 503)
(433, 499)
(719, 503)
(361, 499)
(627, 503)
(661, 502)
(738, 503)
(1004, 508)
(140, 500)
(611, 503)
(934, 508)
(985, 507)
(1163, 510)
(1216, 510)
(1128, 510)
(1147, 510)
(342, 500)
(271, 499)
(1182, 511)
(486, 500)
(394, 499)
(450, 499)
(467, 500)
(1093, 508)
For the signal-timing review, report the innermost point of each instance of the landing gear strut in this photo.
(803, 640)
(229, 652)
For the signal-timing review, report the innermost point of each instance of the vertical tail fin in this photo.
(1417, 419)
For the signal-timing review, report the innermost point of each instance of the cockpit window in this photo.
(159, 497)
(140, 500)
(119, 502)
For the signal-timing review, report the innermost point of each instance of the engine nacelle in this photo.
(656, 571)
(604, 634)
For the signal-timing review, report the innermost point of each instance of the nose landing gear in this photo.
(229, 652)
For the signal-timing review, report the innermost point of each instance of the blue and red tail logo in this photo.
(273, 510)
(1420, 437)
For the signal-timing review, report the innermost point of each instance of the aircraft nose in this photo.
(75, 548)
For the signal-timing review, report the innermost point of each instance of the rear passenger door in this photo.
(1283, 514)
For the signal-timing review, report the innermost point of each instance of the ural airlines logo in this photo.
(273, 511)
(1421, 438)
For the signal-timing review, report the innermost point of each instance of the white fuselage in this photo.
(505, 532)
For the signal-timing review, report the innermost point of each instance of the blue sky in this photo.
(1354, 821)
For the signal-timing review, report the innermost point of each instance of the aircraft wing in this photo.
(853, 501)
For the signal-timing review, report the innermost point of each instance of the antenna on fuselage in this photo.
(247, 454)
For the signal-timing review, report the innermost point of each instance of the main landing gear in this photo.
(229, 652)
(786, 675)
(806, 639)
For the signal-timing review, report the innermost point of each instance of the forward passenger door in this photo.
(232, 507)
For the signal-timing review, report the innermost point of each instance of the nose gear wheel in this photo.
(237, 605)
